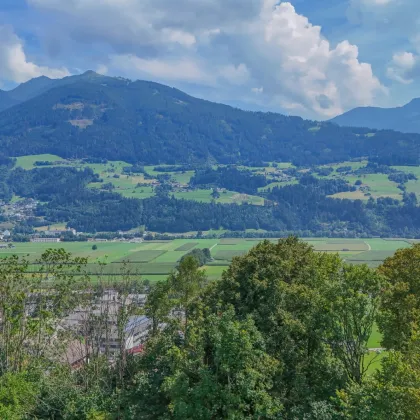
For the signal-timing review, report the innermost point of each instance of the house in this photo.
(46, 240)
(76, 354)
(7, 234)
(3, 246)
(59, 232)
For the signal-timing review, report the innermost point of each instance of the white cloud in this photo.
(308, 71)
(236, 75)
(402, 68)
(14, 65)
(231, 45)
(378, 2)
(397, 24)
(171, 70)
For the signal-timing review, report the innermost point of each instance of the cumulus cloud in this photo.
(256, 47)
(307, 70)
(14, 65)
(170, 70)
(397, 22)
(403, 67)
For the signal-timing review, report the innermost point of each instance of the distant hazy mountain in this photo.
(405, 118)
(38, 86)
(6, 101)
(106, 117)
(32, 88)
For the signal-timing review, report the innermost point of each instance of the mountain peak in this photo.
(90, 73)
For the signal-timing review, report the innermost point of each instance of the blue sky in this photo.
(313, 58)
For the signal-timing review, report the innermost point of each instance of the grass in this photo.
(229, 197)
(214, 272)
(228, 254)
(187, 246)
(55, 226)
(375, 339)
(375, 358)
(27, 162)
(157, 258)
(144, 256)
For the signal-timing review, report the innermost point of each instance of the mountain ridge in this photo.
(405, 119)
(91, 115)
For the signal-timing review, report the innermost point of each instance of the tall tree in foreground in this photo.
(282, 288)
(392, 393)
(400, 314)
(32, 304)
(185, 284)
(222, 372)
(355, 298)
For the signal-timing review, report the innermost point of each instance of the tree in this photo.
(392, 393)
(185, 284)
(399, 318)
(355, 298)
(31, 305)
(94, 247)
(215, 194)
(19, 393)
(282, 287)
(223, 372)
(158, 304)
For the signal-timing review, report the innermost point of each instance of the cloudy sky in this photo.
(314, 58)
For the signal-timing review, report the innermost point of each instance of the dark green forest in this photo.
(103, 117)
(285, 334)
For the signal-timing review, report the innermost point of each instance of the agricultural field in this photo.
(154, 260)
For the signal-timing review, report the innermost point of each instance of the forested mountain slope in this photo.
(97, 116)
(6, 101)
(405, 118)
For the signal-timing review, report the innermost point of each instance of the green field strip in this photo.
(219, 263)
(377, 256)
(386, 245)
(144, 256)
(187, 246)
(154, 278)
(214, 272)
(170, 257)
(228, 255)
(157, 268)
(230, 241)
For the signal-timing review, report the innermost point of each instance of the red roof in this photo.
(136, 350)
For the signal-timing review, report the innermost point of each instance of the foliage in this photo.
(231, 178)
(282, 335)
(201, 255)
(355, 303)
(400, 314)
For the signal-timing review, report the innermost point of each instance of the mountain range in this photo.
(405, 119)
(91, 115)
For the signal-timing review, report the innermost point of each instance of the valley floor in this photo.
(154, 260)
